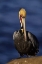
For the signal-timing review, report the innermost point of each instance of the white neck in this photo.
(23, 21)
(20, 23)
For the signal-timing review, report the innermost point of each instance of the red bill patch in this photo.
(21, 18)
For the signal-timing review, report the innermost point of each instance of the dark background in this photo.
(9, 22)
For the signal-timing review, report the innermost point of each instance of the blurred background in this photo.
(9, 22)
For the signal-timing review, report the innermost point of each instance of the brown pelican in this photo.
(25, 42)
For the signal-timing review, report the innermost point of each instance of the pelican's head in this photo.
(22, 15)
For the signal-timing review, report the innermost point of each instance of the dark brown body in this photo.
(29, 47)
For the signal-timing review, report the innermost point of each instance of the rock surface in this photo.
(33, 60)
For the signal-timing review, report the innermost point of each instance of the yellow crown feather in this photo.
(22, 12)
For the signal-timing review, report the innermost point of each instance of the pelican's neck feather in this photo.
(21, 23)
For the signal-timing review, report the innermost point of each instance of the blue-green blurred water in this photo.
(9, 22)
